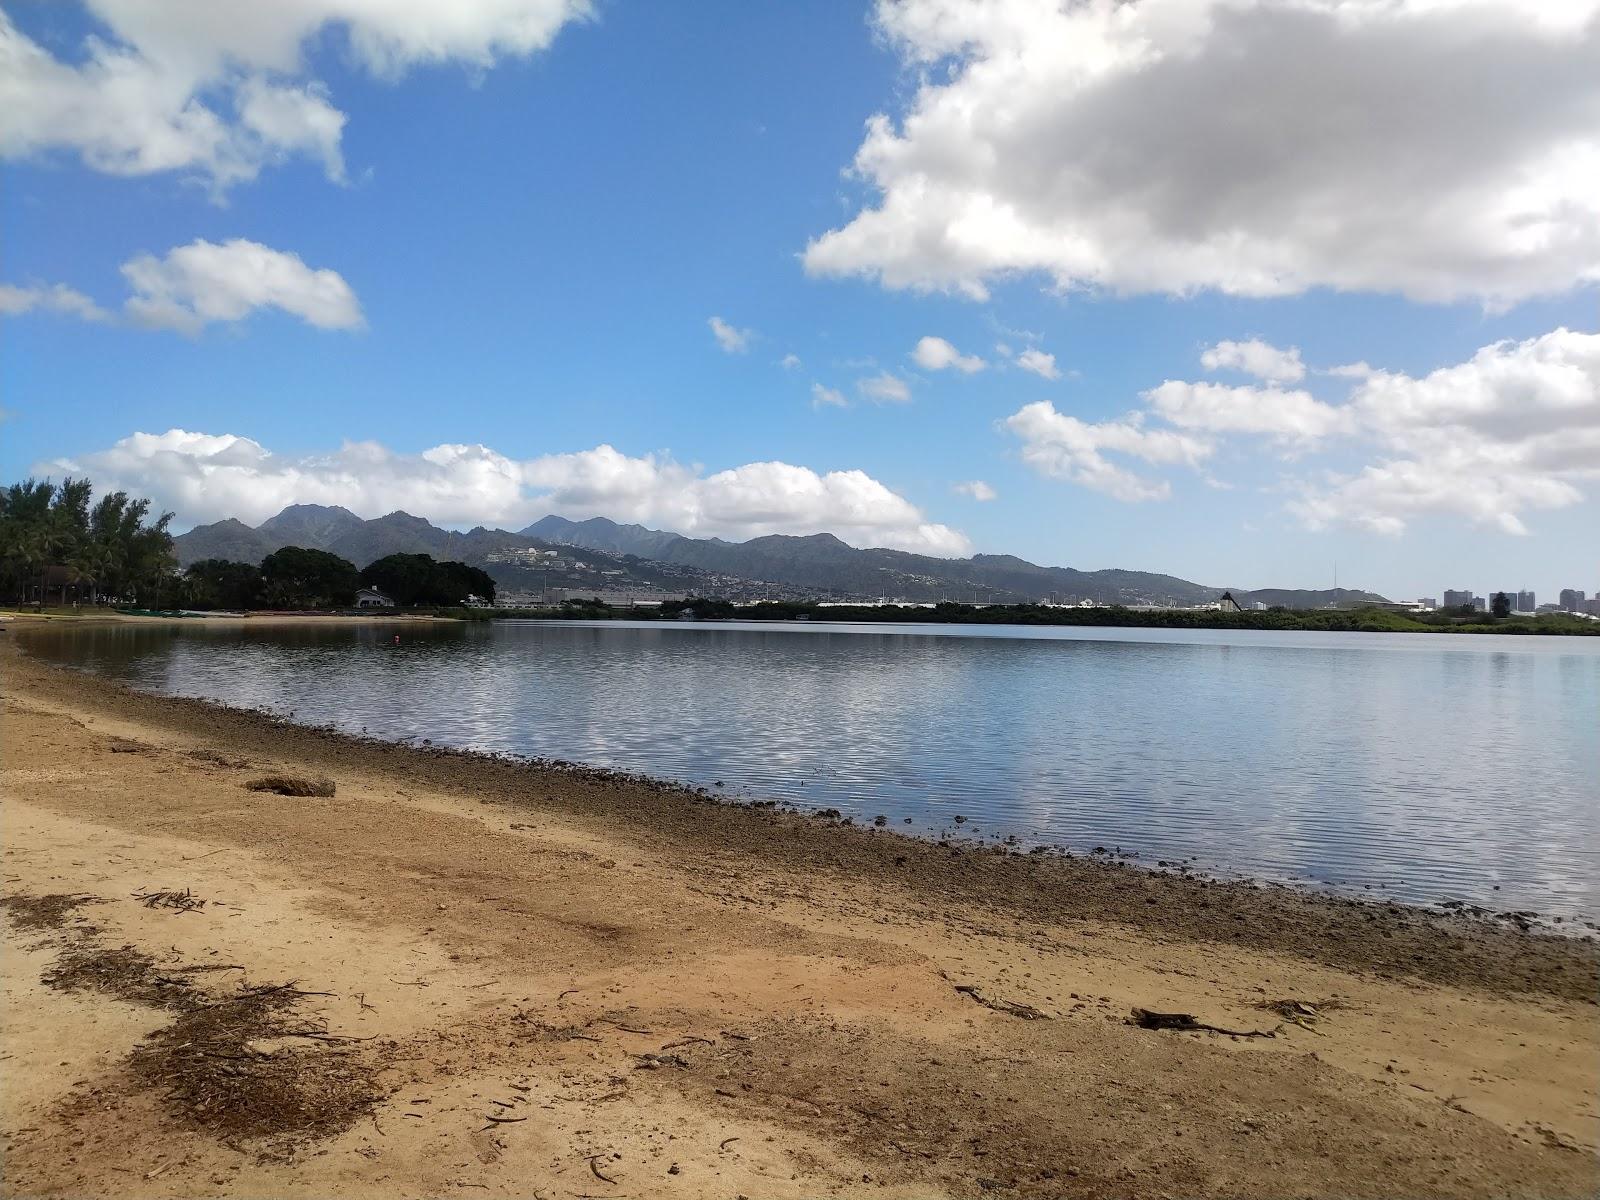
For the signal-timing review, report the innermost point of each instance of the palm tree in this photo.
(110, 546)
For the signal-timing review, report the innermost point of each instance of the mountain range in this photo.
(341, 532)
(818, 565)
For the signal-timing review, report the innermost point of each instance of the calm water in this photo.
(1422, 767)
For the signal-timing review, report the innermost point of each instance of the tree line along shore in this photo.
(1345, 620)
(58, 550)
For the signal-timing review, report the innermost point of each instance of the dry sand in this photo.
(565, 984)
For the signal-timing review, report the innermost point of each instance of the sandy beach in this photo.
(460, 976)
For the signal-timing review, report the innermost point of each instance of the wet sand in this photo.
(22, 620)
(517, 980)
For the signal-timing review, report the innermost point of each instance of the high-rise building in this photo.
(1428, 602)
(1480, 604)
(1572, 599)
(1526, 602)
(1457, 599)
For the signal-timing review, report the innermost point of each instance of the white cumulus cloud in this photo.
(827, 397)
(1211, 407)
(1512, 430)
(1065, 447)
(206, 477)
(885, 388)
(732, 340)
(936, 354)
(977, 489)
(1386, 496)
(204, 282)
(1440, 149)
(52, 298)
(1040, 363)
(1509, 392)
(220, 90)
(1255, 357)
(1355, 370)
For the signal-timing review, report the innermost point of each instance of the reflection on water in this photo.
(1427, 767)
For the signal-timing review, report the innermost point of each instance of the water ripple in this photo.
(1426, 767)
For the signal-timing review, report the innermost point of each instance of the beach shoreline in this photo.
(1008, 616)
(839, 987)
(645, 787)
(22, 621)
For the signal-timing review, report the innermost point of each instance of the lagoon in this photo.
(1421, 767)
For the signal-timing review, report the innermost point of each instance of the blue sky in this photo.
(538, 215)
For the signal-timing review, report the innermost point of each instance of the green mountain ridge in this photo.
(817, 565)
(824, 563)
(314, 526)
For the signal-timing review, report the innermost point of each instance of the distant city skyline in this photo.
(877, 270)
(1523, 599)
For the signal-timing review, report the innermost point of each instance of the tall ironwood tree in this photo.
(110, 548)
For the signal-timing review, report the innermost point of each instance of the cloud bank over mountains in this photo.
(1514, 429)
(207, 477)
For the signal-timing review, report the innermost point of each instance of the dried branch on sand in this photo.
(1188, 1022)
(184, 901)
(291, 785)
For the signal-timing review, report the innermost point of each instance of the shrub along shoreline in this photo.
(1355, 620)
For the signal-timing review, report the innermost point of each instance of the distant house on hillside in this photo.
(372, 598)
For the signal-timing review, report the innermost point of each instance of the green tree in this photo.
(460, 581)
(406, 579)
(703, 608)
(1500, 604)
(410, 579)
(121, 552)
(295, 577)
(220, 583)
(108, 549)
